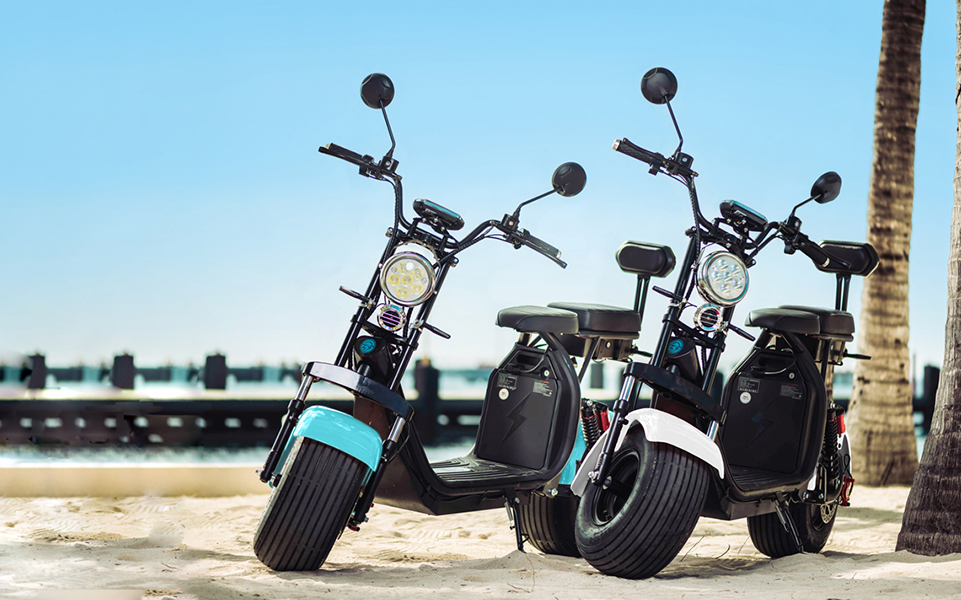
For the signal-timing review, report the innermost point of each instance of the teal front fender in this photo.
(338, 430)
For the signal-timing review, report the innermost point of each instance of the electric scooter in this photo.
(772, 448)
(326, 468)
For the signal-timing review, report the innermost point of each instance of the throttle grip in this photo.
(626, 146)
(541, 246)
(342, 153)
(815, 253)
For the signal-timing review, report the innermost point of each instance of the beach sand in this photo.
(187, 547)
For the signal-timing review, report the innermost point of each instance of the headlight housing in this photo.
(407, 278)
(722, 278)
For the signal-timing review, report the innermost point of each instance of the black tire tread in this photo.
(549, 524)
(657, 521)
(771, 539)
(308, 510)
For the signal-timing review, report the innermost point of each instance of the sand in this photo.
(188, 547)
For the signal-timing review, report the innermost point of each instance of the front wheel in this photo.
(637, 522)
(813, 522)
(308, 510)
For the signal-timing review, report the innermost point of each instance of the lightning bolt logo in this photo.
(516, 416)
(762, 424)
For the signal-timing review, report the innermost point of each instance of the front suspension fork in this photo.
(391, 446)
(294, 410)
(618, 413)
(625, 402)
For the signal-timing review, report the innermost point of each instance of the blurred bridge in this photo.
(112, 412)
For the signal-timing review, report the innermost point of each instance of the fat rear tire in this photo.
(549, 524)
(308, 510)
(636, 525)
(814, 523)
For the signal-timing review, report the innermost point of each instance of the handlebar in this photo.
(516, 237)
(345, 154)
(512, 235)
(679, 164)
(625, 146)
(368, 167)
(523, 237)
(815, 252)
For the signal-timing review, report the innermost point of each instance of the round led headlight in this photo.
(722, 278)
(407, 278)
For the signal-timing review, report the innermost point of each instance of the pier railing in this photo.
(217, 417)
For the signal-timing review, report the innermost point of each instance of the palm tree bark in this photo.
(932, 516)
(883, 445)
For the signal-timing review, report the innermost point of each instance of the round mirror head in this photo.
(659, 85)
(826, 188)
(569, 179)
(377, 88)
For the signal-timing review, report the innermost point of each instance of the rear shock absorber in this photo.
(830, 456)
(601, 413)
(589, 423)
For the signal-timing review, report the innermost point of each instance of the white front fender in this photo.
(658, 427)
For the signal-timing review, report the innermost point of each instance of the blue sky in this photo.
(161, 192)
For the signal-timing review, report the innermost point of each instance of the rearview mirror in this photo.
(826, 188)
(659, 85)
(377, 90)
(569, 179)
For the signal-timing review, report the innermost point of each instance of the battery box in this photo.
(517, 419)
(767, 405)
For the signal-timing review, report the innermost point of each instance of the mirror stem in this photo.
(517, 212)
(793, 210)
(390, 153)
(676, 128)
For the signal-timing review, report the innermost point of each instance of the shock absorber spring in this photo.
(589, 423)
(830, 457)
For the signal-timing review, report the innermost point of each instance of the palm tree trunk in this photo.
(932, 516)
(883, 444)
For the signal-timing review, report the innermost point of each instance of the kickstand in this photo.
(512, 517)
(787, 522)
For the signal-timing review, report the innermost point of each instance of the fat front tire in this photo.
(636, 523)
(308, 510)
(813, 522)
(549, 524)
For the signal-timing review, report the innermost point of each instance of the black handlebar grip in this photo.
(626, 146)
(541, 246)
(815, 253)
(342, 153)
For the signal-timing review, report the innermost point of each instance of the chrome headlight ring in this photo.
(407, 278)
(722, 278)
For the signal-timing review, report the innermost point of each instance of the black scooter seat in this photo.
(785, 319)
(835, 322)
(537, 319)
(601, 318)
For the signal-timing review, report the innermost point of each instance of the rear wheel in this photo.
(549, 524)
(813, 522)
(636, 523)
(308, 510)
